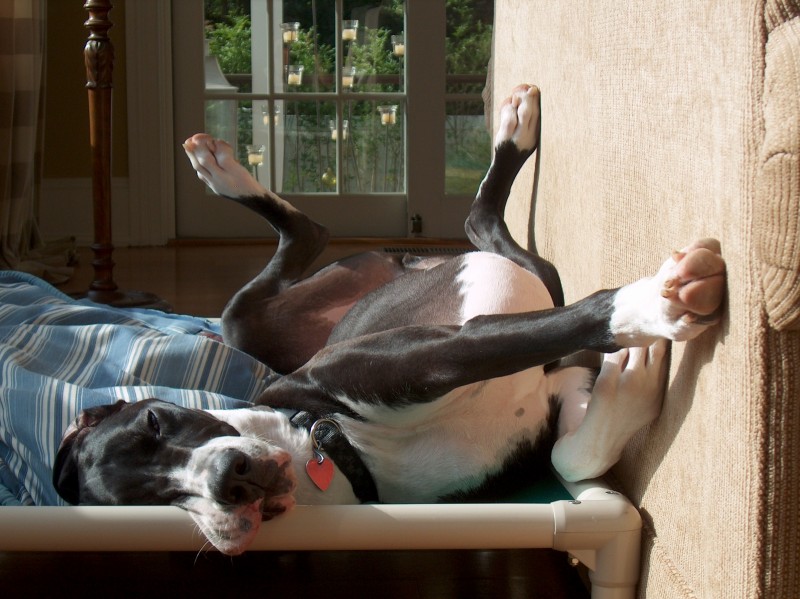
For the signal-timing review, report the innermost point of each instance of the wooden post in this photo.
(99, 60)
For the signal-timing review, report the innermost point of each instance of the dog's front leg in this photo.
(626, 397)
(418, 364)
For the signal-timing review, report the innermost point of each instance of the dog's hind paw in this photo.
(519, 119)
(681, 301)
(217, 167)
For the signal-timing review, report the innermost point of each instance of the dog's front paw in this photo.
(694, 282)
(627, 396)
(630, 386)
(519, 119)
(681, 301)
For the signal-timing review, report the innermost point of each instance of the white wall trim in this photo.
(151, 167)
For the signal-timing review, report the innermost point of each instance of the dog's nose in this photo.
(239, 479)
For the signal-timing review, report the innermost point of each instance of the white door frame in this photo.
(151, 163)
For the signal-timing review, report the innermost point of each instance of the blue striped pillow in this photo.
(59, 356)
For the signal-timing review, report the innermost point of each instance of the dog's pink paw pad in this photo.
(519, 118)
(682, 300)
(696, 282)
(217, 167)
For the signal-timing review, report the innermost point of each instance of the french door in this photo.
(338, 105)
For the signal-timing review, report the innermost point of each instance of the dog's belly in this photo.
(448, 294)
(492, 284)
(425, 452)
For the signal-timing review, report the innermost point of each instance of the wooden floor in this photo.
(532, 574)
(198, 279)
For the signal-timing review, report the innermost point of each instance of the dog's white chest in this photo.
(424, 452)
(492, 284)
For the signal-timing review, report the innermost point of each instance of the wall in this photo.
(65, 206)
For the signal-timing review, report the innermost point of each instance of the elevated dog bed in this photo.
(59, 356)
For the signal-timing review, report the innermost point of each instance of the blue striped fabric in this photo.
(59, 356)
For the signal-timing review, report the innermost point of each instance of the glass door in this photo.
(311, 95)
(365, 114)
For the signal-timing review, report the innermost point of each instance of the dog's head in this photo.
(156, 453)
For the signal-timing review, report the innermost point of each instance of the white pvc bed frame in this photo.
(599, 528)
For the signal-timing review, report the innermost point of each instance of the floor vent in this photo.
(426, 250)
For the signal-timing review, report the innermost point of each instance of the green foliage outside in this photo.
(373, 157)
(229, 41)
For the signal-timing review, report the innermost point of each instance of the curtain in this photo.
(22, 45)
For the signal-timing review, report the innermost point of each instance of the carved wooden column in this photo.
(99, 59)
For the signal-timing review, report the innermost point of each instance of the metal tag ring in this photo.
(314, 441)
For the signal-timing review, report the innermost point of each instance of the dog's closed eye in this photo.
(152, 422)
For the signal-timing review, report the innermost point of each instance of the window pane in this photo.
(377, 53)
(371, 137)
(222, 119)
(468, 147)
(371, 40)
(306, 60)
(467, 142)
(373, 151)
(307, 40)
(309, 154)
(228, 55)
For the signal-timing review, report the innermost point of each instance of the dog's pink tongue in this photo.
(256, 505)
(252, 513)
(250, 516)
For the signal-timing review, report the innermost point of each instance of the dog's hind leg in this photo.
(257, 320)
(517, 137)
(300, 239)
(280, 317)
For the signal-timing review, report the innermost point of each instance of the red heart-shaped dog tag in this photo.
(320, 472)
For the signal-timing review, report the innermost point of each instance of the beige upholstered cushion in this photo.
(778, 210)
(663, 122)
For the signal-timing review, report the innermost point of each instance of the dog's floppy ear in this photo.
(65, 468)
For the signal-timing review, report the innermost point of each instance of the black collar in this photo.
(342, 453)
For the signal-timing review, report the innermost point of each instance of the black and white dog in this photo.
(405, 379)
